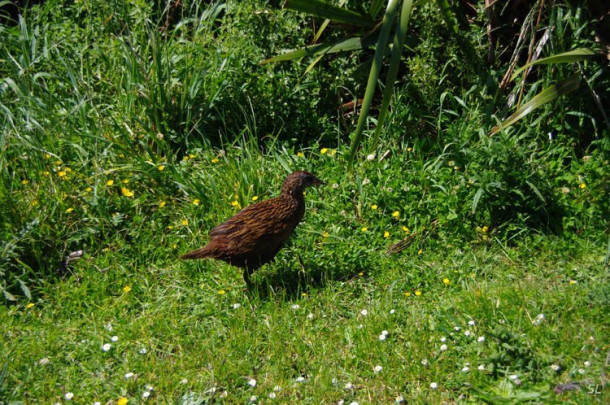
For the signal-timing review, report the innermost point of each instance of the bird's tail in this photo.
(197, 254)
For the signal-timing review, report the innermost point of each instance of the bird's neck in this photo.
(295, 195)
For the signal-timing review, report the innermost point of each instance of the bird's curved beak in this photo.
(318, 182)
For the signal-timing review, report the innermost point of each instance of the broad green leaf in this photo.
(399, 41)
(566, 57)
(545, 96)
(334, 13)
(386, 26)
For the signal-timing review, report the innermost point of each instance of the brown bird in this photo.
(255, 234)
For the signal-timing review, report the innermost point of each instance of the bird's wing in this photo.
(263, 223)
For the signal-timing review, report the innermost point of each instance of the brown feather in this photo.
(255, 234)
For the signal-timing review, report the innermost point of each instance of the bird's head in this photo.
(297, 182)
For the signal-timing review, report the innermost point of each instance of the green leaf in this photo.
(399, 41)
(349, 44)
(575, 55)
(476, 199)
(545, 96)
(388, 22)
(331, 12)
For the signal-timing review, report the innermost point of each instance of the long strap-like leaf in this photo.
(399, 41)
(334, 13)
(575, 55)
(386, 25)
(547, 95)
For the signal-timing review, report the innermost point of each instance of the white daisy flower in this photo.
(296, 306)
(555, 367)
(68, 396)
(433, 385)
(272, 395)
(114, 338)
(391, 313)
(481, 367)
(424, 362)
(382, 337)
(300, 379)
(142, 350)
(364, 312)
(587, 364)
(378, 369)
(471, 323)
(443, 339)
(481, 339)
(106, 347)
(129, 375)
(465, 369)
(145, 394)
(252, 382)
(443, 348)
(349, 386)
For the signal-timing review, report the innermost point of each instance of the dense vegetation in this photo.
(129, 129)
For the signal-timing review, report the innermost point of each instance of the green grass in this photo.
(182, 312)
(130, 143)
(183, 315)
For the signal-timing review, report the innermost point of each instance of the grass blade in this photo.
(399, 41)
(386, 26)
(575, 55)
(334, 13)
(545, 96)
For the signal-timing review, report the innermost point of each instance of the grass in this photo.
(130, 143)
(205, 337)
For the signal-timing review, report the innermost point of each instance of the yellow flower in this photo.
(409, 149)
(184, 222)
(88, 189)
(170, 227)
(446, 281)
(582, 186)
(215, 160)
(255, 198)
(192, 155)
(69, 210)
(161, 204)
(364, 229)
(404, 228)
(110, 182)
(420, 251)
(323, 150)
(174, 245)
(325, 235)
(45, 173)
(34, 203)
(235, 203)
(58, 162)
(395, 214)
(160, 168)
(300, 154)
(61, 173)
(47, 156)
(374, 207)
(485, 229)
(24, 182)
(68, 170)
(185, 158)
(127, 288)
(126, 192)
(29, 305)
(572, 282)
(417, 293)
(361, 274)
(121, 401)
(221, 292)
(332, 152)
(407, 294)
(125, 181)
(196, 201)
(386, 234)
